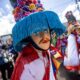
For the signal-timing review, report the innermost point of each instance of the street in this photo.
(66, 75)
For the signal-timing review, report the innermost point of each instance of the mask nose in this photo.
(46, 37)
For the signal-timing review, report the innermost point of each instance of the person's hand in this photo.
(70, 28)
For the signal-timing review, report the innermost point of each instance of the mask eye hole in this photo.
(52, 32)
(46, 31)
(36, 33)
(40, 34)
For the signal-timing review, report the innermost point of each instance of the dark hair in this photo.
(4, 47)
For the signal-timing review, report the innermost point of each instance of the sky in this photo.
(6, 17)
(59, 6)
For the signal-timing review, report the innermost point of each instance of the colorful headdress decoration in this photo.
(23, 8)
(31, 18)
(36, 22)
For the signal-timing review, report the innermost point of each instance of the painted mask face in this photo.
(42, 39)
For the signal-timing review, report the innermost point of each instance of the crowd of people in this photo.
(7, 58)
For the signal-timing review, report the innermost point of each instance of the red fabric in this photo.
(78, 45)
(58, 45)
(17, 71)
(34, 1)
(27, 55)
(47, 70)
(70, 68)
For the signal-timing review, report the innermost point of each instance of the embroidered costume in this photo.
(33, 66)
(31, 38)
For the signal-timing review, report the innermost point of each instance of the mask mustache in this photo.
(44, 40)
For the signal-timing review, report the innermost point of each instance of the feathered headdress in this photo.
(23, 8)
(36, 21)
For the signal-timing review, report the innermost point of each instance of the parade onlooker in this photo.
(11, 55)
(2, 62)
(6, 58)
(54, 39)
(63, 43)
(71, 59)
(78, 43)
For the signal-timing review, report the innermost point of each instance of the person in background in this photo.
(54, 39)
(12, 52)
(71, 59)
(78, 44)
(2, 62)
(63, 43)
(58, 44)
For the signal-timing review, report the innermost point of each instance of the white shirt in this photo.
(36, 69)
